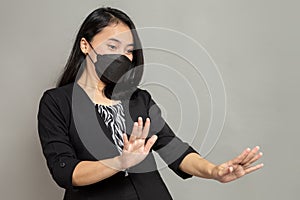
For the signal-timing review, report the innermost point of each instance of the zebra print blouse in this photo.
(114, 118)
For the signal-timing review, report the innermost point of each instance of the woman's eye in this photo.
(112, 47)
(129, 51)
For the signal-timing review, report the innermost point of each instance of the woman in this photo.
(104, 70)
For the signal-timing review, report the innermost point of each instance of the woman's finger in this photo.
(146, 129)
(140, 127)
(241, 157)
(125, 140)
(254, 168)
(250, 156)
(150, 143)
(254, 159)
(225, 171)
(134, 133)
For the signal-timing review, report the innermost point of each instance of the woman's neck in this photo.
(90, 83)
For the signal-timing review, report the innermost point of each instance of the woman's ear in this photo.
(84, 46)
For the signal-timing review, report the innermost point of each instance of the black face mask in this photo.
(113, 68)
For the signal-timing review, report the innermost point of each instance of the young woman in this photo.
(105, 68)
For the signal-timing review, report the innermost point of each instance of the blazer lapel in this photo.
(90, 126)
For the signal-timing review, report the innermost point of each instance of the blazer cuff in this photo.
(175, 165)
(62, 171)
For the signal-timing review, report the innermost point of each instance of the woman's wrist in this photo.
(214, 172)
(118, 164)
(114, 163)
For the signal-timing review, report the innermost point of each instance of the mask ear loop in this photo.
(93, 61)
(93, 50)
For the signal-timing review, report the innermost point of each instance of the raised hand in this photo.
(239, 166)
(136, 148)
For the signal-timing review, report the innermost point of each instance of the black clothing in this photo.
(64, 148)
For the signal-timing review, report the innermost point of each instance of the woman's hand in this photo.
(136, 148)
(238, 166)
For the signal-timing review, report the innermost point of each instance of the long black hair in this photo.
(92, 25)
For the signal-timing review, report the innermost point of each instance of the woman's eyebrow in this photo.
(118, 41)
(115, 40)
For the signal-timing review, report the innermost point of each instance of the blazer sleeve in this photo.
(170, 148)
(56, 145)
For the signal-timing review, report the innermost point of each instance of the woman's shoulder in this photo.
(142, 95)
(140, 91)
(61, 90)
(58, 94)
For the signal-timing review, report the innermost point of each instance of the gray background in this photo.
(254, 43)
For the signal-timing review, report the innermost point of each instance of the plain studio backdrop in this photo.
(255, 45)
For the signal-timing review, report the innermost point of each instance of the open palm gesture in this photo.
(136, 148)
(239, 166)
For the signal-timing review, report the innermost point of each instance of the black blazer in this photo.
(71, 130)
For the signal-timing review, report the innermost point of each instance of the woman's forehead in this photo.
(116, 32)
